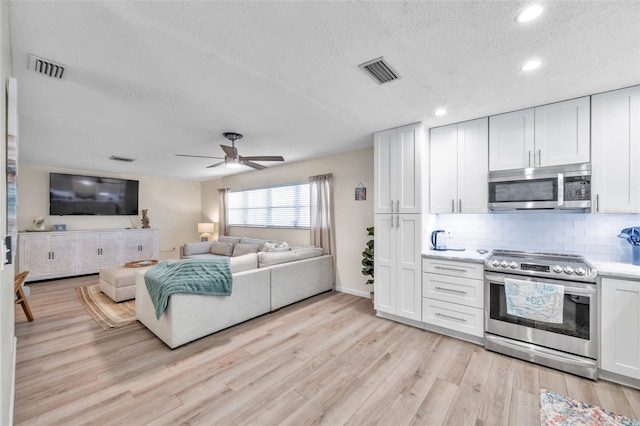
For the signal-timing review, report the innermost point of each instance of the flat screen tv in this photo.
(91, 195)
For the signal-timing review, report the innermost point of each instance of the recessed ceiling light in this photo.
(440, 112)
(529, 14)
(531, 65)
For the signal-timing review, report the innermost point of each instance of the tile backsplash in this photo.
(591, 235)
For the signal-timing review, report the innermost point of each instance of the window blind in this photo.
(283, 206)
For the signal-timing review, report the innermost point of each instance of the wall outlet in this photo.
(449, 233)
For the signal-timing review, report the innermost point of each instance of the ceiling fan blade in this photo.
(216, 165)
(263, 158)
(231, 152)
(197, 156)
(254, 165)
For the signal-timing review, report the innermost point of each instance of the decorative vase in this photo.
(37, 224)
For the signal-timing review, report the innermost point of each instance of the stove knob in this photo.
(495, 263)
(557, 269)
(580, 271)
(513, 265)
(568, 270)
(504, 264)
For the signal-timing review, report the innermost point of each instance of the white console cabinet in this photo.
(49, 255)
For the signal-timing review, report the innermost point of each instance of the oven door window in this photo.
(575, 316)
(523, 190)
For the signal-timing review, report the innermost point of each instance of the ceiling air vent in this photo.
(47, 67)
(126, 160)
(379, 70)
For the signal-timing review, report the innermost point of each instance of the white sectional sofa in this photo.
(262, 282)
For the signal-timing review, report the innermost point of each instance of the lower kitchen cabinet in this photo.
(397, 265)
(453, 297)
(620, 327)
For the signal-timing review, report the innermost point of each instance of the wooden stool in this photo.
(21, 298)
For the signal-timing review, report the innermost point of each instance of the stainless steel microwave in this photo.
(555, 187)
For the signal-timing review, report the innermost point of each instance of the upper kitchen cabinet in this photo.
(549, 135)
(458, 164)
(615, 139)
(397, 171)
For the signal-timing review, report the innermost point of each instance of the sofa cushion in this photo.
(226, 239)
(246, 262)
(241, 249)
(190, 249)
(202, 256)
(221, 249)
(274, 258)
(255, 241)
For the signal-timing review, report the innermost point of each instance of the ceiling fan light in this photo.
(233, 163)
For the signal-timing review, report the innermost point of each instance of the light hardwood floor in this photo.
(325, 360)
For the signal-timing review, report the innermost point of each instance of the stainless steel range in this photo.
(570, 345)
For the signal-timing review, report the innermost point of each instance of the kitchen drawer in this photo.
(453, 268)
(464, 291)
(464, 319)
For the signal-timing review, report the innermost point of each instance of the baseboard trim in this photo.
(353, 292)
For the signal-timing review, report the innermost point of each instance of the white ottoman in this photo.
(119, 282)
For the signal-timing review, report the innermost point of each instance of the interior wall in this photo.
(174, 206)
(351, 217)
(7, 319)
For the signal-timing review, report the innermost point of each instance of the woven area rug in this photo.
(105, 311)
(556, 409)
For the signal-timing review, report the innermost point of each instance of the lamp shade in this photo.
(206, 227)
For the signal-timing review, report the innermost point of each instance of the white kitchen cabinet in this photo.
(47, 255)
(548, 135)
(397, 170)
(620, 327)
(453, 296)
(140, 244)
(397, 265)
(615, 141)
(458, 167)
(99, 250)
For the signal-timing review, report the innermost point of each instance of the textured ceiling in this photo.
(151, 79)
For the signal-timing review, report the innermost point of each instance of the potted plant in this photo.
(367, 259)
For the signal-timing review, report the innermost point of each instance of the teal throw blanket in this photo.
(198, 276)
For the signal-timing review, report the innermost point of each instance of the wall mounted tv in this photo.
(91, 195)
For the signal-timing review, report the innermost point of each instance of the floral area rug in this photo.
(556, 410)
(105, 311)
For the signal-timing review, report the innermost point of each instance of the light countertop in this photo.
(606, 268)
(469, 255)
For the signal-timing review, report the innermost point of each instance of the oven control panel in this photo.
(567, 266)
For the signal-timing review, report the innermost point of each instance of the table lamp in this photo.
(206, 229)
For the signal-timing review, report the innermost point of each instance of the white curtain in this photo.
(223, 200)
(321, 209)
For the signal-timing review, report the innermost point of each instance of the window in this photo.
(283, 206)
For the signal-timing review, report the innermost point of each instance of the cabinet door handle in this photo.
(53, 255)
(391, 201)
(98, 250)
(597, 203)
(398, 219)
(529, 158)
(451, 269)
(453, 205)
(449, 316)
(49, 255)
(460, 205)
(539, 158)
(451, 290)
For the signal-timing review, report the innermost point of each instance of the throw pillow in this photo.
(241, 249)
(226, 239)
(222, 249)
(276, 246)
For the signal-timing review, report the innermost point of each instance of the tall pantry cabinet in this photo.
(398, 221)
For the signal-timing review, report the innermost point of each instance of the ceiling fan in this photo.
(231, 157)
